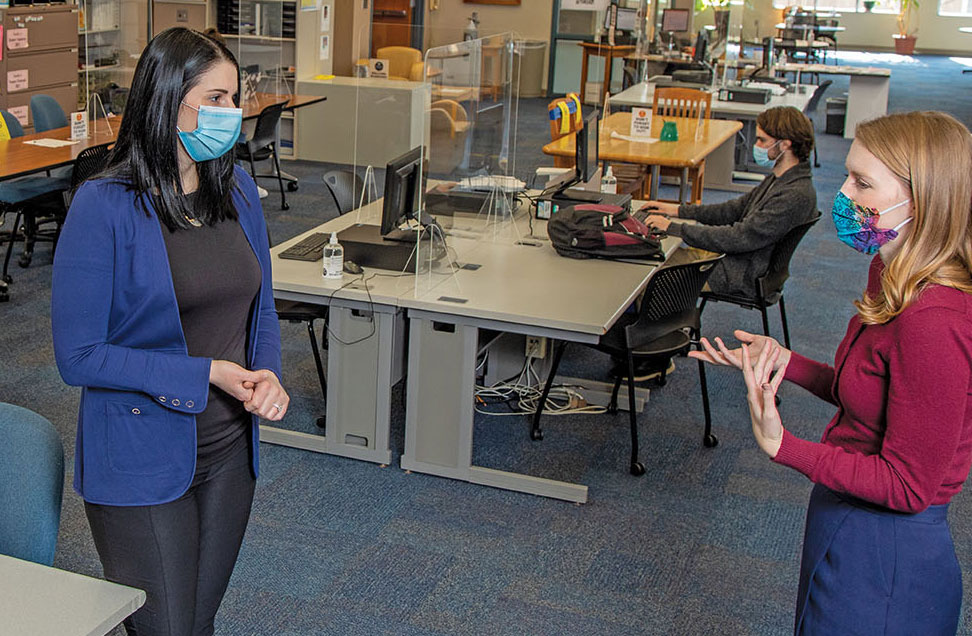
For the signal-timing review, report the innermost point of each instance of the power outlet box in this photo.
(536, 346)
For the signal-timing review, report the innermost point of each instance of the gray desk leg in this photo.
(360, 377)
(439, 412)
(653, 186)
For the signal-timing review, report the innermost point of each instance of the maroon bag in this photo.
(602, 231)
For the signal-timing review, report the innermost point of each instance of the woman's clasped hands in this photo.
(260, 391)
(763, 363)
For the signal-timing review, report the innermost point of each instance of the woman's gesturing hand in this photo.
(761, 386)
(269, 399)
(720, 354)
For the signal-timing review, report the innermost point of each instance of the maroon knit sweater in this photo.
(902, 434)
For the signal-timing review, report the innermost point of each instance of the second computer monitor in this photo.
(585, 154)
(675, 20)
(627, 19)
(403, 181)
(701, 47)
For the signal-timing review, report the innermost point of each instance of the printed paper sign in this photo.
(326, 10)
(20, 112)
(17, 80)
(79, 125)
(1, 35)
(378, 68)
(308, 5)
(17, 39)
(641, 122)
(325, 52)
(584, 5)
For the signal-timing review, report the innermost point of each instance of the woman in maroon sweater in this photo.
(878, 555)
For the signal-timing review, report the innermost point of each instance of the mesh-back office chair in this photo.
(768, 288)
(667, 324)
(46, 113)
(345, 188)
(810, 110)
(684, 102)
(89, 162)
(31, 485)
(263, 145)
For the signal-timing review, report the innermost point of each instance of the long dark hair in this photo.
(145, 156)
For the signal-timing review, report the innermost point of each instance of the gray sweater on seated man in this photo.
(747, 228)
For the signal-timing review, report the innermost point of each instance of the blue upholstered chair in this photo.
(35, 200)
(46, 113)
(31, 484)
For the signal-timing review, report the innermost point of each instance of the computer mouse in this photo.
(352, 268)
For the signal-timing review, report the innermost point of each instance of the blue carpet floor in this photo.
(707, 542)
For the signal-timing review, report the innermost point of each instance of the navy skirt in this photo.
(869, 570)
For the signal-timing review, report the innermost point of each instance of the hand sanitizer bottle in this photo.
(609, 183)
(333, 258)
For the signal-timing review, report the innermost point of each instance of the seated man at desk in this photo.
(747, 228)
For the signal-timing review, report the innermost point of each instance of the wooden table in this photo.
(252, 107)
(18, 158)
(37, 599)
(609, 53)
(688, 152)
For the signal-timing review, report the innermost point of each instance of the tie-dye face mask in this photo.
(856, 224)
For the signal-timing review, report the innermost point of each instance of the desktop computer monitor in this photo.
(675, 20)
(627, 19)
(585, 152)
(701, 47)
(403, 182)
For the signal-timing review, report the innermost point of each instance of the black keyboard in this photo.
(309, 248)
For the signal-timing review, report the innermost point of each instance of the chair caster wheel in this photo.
(710, 441)
(777, 399)
(24, 261)
(536, 434)
(321, 423)
(292, 186)
(637, 469)
(612, 410)
(285, 206)
(8, 278)
(660, 382)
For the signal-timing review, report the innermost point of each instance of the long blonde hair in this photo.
(931, 153)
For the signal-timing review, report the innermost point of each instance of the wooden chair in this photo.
(450, 126)
(404, 62)
(684, 102)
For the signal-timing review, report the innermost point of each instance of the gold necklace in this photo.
(192, 221)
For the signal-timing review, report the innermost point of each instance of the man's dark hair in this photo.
(786, 122)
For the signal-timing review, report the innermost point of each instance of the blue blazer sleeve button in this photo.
(190, 404)
(175, 402)
(161, 398)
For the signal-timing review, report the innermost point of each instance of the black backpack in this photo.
(602, 231)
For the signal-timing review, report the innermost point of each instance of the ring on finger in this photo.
(277, 406)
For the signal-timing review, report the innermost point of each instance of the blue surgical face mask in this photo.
(761, 155)
(217, 130)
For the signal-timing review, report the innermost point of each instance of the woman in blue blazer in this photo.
(162, 311)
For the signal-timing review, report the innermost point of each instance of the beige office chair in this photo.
(404, 62)
(684, 102)
(449, 128)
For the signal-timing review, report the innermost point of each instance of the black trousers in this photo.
(181, 553)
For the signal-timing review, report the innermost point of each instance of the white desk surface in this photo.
(642, 94)
(522, 284)
(834, 69)
(37, 600)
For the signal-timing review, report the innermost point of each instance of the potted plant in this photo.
(868, 5)
(904, 39)
(720, 20)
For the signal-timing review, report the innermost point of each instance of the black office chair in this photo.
(667, 324)
(810, 110)
(50, 207)
(345, 188)
(768, 288)
(263, 145)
